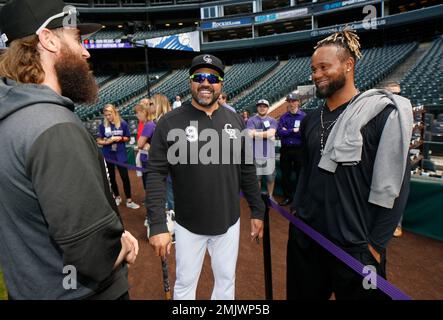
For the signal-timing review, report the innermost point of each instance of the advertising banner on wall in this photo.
(281, 15)
(107, 44)
(188, 41)
(225, 23)
(367, 25)
(339, 4)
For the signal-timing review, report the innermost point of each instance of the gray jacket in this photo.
(344, 144)
(56, 208)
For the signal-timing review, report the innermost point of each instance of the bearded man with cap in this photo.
(291, 145)
(207, 189)
(61, 236)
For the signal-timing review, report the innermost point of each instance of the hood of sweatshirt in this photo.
(397, 100)
(15, 96)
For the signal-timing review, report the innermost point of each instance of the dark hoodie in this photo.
(56, 208)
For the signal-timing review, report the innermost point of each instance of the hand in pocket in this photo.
(374, 253)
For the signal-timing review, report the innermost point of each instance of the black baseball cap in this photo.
(207, 61)
(22, 18)
(292, 97)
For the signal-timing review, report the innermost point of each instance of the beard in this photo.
(75, 78)
(203, 101)
(331, 88)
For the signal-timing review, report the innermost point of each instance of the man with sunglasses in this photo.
(206, 193)
(60, 233)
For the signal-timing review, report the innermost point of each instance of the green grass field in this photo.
(3, 294)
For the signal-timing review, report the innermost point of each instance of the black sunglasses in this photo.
(201, 77)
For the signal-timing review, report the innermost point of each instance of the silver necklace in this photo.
(324, 130)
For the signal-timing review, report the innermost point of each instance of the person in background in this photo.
(177, 103)
(222, 101)
(291, 148)
(162, 106)
(146, 102)
(263, 127)
(394, 87)
(113, 135)
(144, 115)
(245, 116)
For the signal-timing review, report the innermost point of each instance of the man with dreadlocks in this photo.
(355, 178)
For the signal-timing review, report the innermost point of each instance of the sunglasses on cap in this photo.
(201, 77)
(69, 11)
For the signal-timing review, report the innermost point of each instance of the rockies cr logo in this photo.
(230, 132)
(191, 134)
(207, 58)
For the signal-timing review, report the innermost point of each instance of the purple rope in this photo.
(356, 265)
(130, 167)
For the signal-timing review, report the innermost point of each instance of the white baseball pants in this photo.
(190, 249)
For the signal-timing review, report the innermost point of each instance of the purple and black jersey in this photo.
(290, 121)
(148, 132)
(263, 124)
(117, 152)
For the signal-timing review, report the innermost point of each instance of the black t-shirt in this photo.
(336, 204)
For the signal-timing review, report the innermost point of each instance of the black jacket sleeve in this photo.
(158, 168)
(64, 166)
(386, 220)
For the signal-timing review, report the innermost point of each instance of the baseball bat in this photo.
(165, 272)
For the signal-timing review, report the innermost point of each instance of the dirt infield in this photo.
(415, 263)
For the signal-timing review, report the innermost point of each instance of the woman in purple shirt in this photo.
(162, 106)
(113, 135)
(144, 142)
(144, 115)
